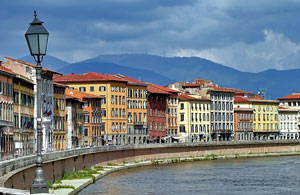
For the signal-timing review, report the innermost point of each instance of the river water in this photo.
(244, 176)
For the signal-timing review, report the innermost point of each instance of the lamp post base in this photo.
(39, 188)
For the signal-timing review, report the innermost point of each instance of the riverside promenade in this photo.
(19, 173)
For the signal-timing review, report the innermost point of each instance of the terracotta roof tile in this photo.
(6, 70)
(165, 88)
(240, 99)
(80, 95)
(152, 89)
(87, 77)
(291, 97)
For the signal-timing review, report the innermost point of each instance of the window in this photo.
(86, 118)
(92, 88)
(181, 117)
(112, 112)
(182, 128)
(123, 100)
(124, 113)
(16, 98)
(28, 69)
(112, 99)
(181, 106)
(86, 132)
(102, 88)
(82, 89)
(23, 99)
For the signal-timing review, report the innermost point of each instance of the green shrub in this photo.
(62, 186)
(112, 164)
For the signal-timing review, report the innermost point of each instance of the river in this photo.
(244, 176)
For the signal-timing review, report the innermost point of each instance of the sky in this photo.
(247, 35)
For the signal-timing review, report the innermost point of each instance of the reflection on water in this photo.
(261, 176)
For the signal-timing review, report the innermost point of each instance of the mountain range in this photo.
(165, 70)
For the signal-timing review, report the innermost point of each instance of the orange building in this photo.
(91, 118)
(114, 103)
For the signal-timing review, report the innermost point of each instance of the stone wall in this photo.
(21, 172)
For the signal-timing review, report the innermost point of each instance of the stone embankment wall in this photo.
(19, 173)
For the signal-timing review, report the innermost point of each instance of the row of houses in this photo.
(94, 109)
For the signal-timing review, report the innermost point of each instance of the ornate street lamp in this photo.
(37, 39)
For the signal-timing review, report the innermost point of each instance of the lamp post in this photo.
(37, 40)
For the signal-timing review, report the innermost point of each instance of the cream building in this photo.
(193, 118)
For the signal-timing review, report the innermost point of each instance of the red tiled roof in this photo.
(152, 89)
(87, 77)
(6, 70)
(291, 97)
(240, 99)
(186, 97)
(164, 88)
(70, 97)
(33, 65)
(81, 95)
(214, 88)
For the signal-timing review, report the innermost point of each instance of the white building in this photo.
(291, 116)
(288, 123)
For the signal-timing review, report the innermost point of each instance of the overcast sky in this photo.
(247, 35)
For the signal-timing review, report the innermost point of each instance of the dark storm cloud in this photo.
(218, 30)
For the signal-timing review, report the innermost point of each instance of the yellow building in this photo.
(265, 119)
(136, 111)
(265, 116)
(23, 98)
(194, 118)
(59, 123)
(114, 109)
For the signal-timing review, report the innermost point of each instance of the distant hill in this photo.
(110, 68)
(277, 83)
(48, 62)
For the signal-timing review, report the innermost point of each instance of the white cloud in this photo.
(273, 52)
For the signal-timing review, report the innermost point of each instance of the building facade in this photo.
(157, 108)
(47, 108)
(74, 119)
(292, 101)
(265, 119)
(23, 98)
(243, 124)
(222, 112)
(6, 112)
(136, 111)
(171, 115)
(288, 123)
(59, 122)
(91, 135)
(194, 118)
(113, 89)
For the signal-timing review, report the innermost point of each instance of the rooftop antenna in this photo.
(262, 92)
